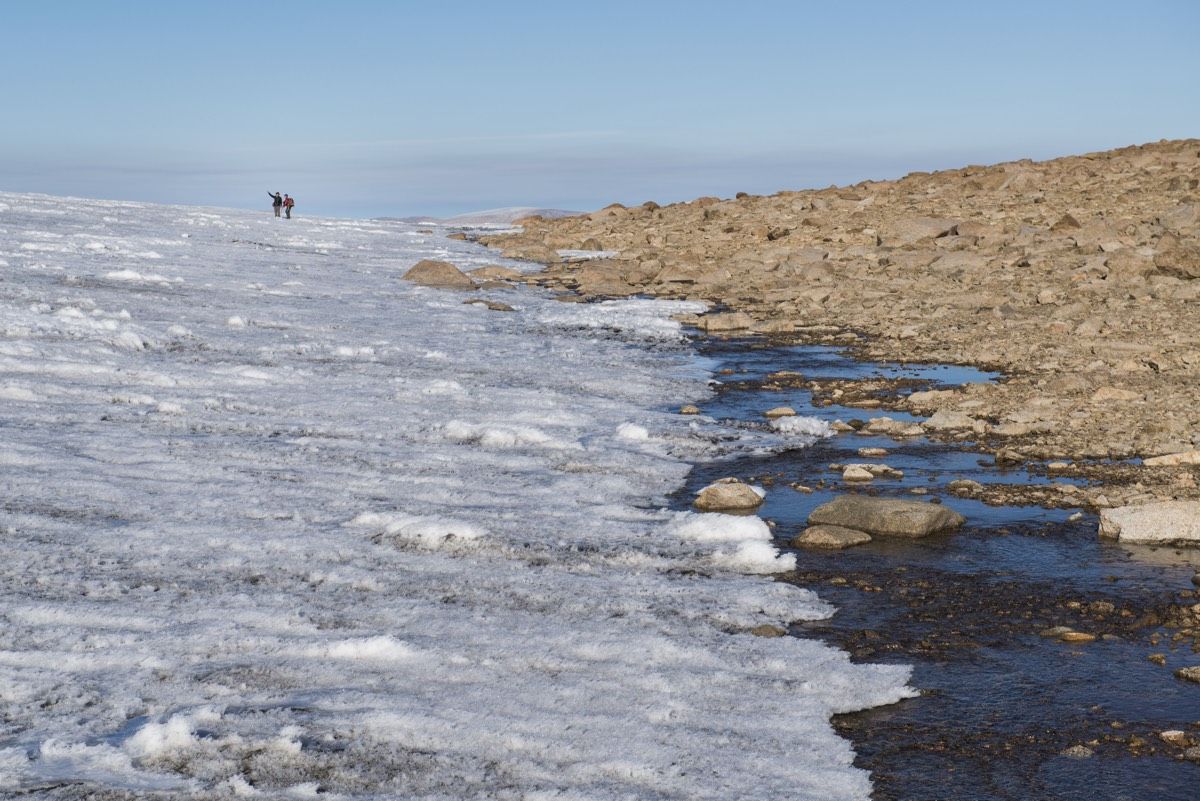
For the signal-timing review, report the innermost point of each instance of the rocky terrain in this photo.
(1077, 278)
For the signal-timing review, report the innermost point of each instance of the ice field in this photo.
(277, 523)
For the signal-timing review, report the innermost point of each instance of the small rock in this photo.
(767, 630)
(1175, 737)
(689, 409)
(728, 494)
(873, 453)
(1196, 579)
(1076, 636)
(1192, 754)
(964, 486)
(780, 411)
(1158, 659)
(1055, 632)
(494, 305)
(1079, 752)
(857, 472)
(834, 537)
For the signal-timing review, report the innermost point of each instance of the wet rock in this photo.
(767, 630)
(872, 452)
(832, 537)
(443, 274)
(1076, 636)
(1158, 659)
(886, 517)
(726, 495)
(1079, 752)
(1161, 522)
(779, 411)
(1189, 673)
(689, 409)
(857, 472)
(1175, 737)
(1054, 632)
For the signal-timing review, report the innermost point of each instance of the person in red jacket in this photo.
(288, 202)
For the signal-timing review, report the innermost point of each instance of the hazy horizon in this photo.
(396, 109)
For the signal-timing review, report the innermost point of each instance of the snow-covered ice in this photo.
(277, 523)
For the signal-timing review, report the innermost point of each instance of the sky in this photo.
(361, 108)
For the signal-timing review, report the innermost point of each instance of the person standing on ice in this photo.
(288, 202)
(277, 202)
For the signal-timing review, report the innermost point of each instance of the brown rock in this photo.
(727, 495)
(443, 274)
(886, 517)
(831, 537)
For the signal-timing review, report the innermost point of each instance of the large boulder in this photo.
(886, 517)
(728, 495)
(1162, 522)
(429, 272)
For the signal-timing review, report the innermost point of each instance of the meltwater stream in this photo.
(999, 704)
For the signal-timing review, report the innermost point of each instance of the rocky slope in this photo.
(1079, 278)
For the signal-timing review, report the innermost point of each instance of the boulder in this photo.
(886, 517)
(728, 495)
(779, 411)
(832, 537)
(726, 321)
(1161, 522)
(428, 272)
(1178, 257)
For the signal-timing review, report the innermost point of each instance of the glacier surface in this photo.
(278, 524)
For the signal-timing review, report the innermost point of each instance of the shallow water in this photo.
(999, 703)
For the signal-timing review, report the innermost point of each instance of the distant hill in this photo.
(490, 217)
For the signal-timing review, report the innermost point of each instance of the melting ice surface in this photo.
(276, 522)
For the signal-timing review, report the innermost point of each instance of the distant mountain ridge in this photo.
(489, 217)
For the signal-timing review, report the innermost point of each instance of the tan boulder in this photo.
(728, 495)
(442, 274)
(1173, 459)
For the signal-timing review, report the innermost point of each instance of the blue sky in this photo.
(392, 108)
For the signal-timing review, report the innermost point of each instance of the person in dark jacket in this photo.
(277, 202)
